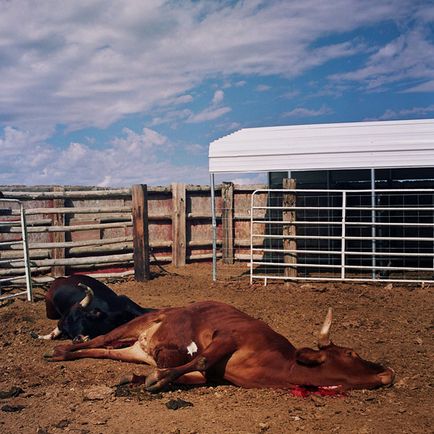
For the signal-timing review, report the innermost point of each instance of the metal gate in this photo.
(351, 235)
(12, 214)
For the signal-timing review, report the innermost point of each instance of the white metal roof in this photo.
(357, 145)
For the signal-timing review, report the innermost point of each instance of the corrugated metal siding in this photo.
(388, 144)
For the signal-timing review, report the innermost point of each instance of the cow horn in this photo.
(324, 334)
(88, 297)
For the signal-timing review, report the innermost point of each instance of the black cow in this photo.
(86, 308)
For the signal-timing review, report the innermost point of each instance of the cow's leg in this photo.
(122, 336)
(98, 342)
(132, 354)
(126, 333)
(192, 378)
(221, 347)
(52, 335)
(66, 352)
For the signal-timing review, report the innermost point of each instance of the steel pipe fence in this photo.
(344, 235)
(10, 219)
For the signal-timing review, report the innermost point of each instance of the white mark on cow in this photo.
(192, 348)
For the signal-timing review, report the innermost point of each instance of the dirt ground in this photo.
(389, 324)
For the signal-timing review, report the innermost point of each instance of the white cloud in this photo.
(407, 59)
(208, 114)
(106, 182)
(412, 112)
(301, 112)
(89, 63)
(173, 117)
(427, 86)
(291, 94)
(14, 139)
(228, 83)
(218, 97)
(131, 158)
(134, 142)
(262, 87)
(75, 152)
(196, 149)
(212, 112)
(182, 99)
(232, 126)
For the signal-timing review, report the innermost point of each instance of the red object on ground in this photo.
(306, 391)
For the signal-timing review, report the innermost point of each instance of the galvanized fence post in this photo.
(344, 214)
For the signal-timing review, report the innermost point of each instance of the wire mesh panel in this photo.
(342, 235)
(12, 215)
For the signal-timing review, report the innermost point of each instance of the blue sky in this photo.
(112, 93)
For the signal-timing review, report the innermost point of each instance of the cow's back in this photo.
(202, 321)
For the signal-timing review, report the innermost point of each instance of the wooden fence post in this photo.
(289, 200)
(179, 233)
(58, 237)
(228, 222)
(140, 232)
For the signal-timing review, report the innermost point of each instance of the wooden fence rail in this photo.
(113, 231)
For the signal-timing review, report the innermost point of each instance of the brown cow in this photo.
(212, 340)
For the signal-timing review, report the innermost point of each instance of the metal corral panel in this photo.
(358, 145)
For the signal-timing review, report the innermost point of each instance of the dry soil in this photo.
(390, 324)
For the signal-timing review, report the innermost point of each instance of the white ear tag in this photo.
(192, 348)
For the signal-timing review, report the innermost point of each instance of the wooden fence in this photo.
(122, 231)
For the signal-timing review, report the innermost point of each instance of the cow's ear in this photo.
(96, 314)
(309, 357)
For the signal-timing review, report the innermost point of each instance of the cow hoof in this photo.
(54, 356)
(155, 381)
(49, 356)
(34, 335)
(152, 382)
(138, 379)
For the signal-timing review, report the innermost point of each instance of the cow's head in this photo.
(337, 367)
(83, 321)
